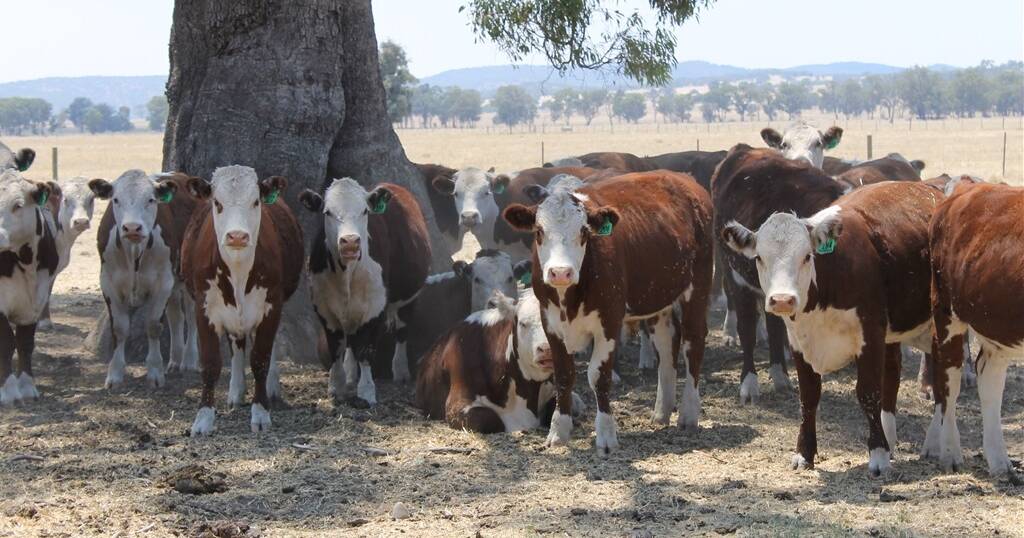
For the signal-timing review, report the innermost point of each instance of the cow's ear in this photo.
(24, 158)
(603, 220)
(547, 165)
(165, 191)
(55, 190)
(490, 170)
(311, 200)
(199, 188)
(378, 200)
(101, 188)
(523, 272)
(462, 269)
(271, 188)
(831, 137)
(771, 137)
(42, 193)
(918, 165)
(499, 183)
(740, 239)
(520, 217)
(536, 193)
(825, 227)
(444, 185)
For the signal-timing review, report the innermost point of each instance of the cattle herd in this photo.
(841, 261)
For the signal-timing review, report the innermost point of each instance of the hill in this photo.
(115, 91)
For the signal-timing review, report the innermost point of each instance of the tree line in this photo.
(20, 115)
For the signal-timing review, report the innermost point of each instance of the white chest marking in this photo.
(515, 414)
(24, 293)
(133, 284)
(577, 333)
(241, 318)
(350, 298)
(829, 338)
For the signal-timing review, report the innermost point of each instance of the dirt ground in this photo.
(83, 461)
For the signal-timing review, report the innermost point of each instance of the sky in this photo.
(129, 37)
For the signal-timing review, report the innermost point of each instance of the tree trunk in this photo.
(291, 88)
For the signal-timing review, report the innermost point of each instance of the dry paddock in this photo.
(83, 461)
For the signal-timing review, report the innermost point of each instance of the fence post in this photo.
(542, 153)
(869, 147)
(55, 160)
(1004, 154)
(698, 144)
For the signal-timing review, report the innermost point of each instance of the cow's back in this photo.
(623, 162)
(877, 171)
(699, 164)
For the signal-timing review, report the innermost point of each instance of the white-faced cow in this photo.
(242, 259)
(19, 161)
(139, 242)
(492, 372)
(977, 277)
(72, 212)
(370, 258)
(847, 281)
(633, 247)
(802, 141)
(28, 264)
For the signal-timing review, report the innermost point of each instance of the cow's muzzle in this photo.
(349, 247)
(782, 304)
(132, 232)
(80, 225)
(469, 219)
(236, 239)
(543, 357)
(560, 276)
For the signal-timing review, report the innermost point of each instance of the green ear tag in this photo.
(499, 188)
(270, 198)
(166, 197)
(832, 144)
(379, 207)
(606, 227)
(42, 199)
(526, 279)
(828, 247)
(22, 167)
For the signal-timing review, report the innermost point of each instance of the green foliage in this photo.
(398, 81)
(715, 103)
(156, 110)
(745, 98)
(677, 107)
(793, 98)
(77, 110)
(451, 105)
(20, 113)
(589, 103)
(513, 106)
(102, 118)
(629, 106)
(922, 91)
(587, 34)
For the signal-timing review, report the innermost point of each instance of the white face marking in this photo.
(76, 205)
(18, 210)
(346, 219)
(535, 360)
(561, 245)
(236, 211)
(134, 202)
(474, 199)
(803, 142)
(491, 274)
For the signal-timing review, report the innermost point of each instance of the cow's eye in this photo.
(758, 259)
(478, 281)
(510, 279)
(539, 234)
(327, 212)
(256, 203)
(16, 207)
(116, 201)
(366, 211)
(807, 258)
(151, 201)
(217, 205)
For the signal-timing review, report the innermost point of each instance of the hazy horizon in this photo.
(437, 37)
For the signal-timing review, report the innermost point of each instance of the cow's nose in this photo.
(350, 239)
(470, 218)
(132, 230)
(80, 224)
(782, 303)
(560, 276)
(238, 238)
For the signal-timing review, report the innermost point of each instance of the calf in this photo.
(28, 264)
(802, 141)
(892, 167)
(71, 210)
(445, 214)
(20, 161)
(492, 372)
(242, 259)
(370, 258)
(447, 298)
(804, 265)
(633, 247)
(139, 242)
(749, 186)
(977, 283)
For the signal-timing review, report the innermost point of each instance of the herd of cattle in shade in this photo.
(843, 261)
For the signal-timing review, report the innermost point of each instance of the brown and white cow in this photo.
(892, 167)
(139, 242)
(19, 161)
(370, 258)
(806, 267)
(801, 141)
(633, 247)
(28, 264)
(443, 205)
(491, 372)
(749, 186)
(699, 164)
(977, 278)
(241, 260)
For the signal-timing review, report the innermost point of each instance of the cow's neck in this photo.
(239, 263)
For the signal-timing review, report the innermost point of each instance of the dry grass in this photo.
(105, 456)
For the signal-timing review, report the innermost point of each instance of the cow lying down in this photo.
(491, 372)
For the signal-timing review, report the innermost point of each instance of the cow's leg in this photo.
(747, 308)
(694, 331)
(970, 375)
(176, 326)
(191, 361)
(25, 342)
(154, 326)
(648, 356)
(210, 363)
(718, 297)
(236, 387)
(810, 394)
(9, 390)
(890, 389)
(729, 326)
(925, 374)
(350, 368)
(274, 376)
(599, 374)
(45, 323)
(364, 344)
(565, 378)
(259, 360)
(991, 381)
(777, 340)
(943, 438)
(336, 378)
(400, 361)
(120, 318)
(870, 366)
(665, 336)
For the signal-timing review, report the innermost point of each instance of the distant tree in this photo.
(426, 101)
(629, 106)
(58, 120)
(398, 81)
(1008, 89)
(20, 113)
(745, 97)
(769, 101)
(794, 98)
(467, 107)
(923, 91)
(101, 118)
(514, 106)
(715, 103)
(77, 110)
(589, 104)
(829, 99)
(971, 92)
(884, 93)
(556, 109)
(156, 110)
(569, 100)
(676, 106)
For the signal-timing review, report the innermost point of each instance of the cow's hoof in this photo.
(730, 340)
(661, 417)
(27, 387)
(925, 392)
(750, 392)
(607, 437)
(155, 377)
(780, 379)
(10, 392)
(356, 402)
(400, 375)
(174, 367)
(800, 463)
(952, 462)
(561, 429)
(204, 422)
(879, 463)
(113, 381)
(44, 325)
(260, 419)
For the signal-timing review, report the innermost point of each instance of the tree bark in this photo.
(291, 88)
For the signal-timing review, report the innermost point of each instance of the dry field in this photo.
(103, 463)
